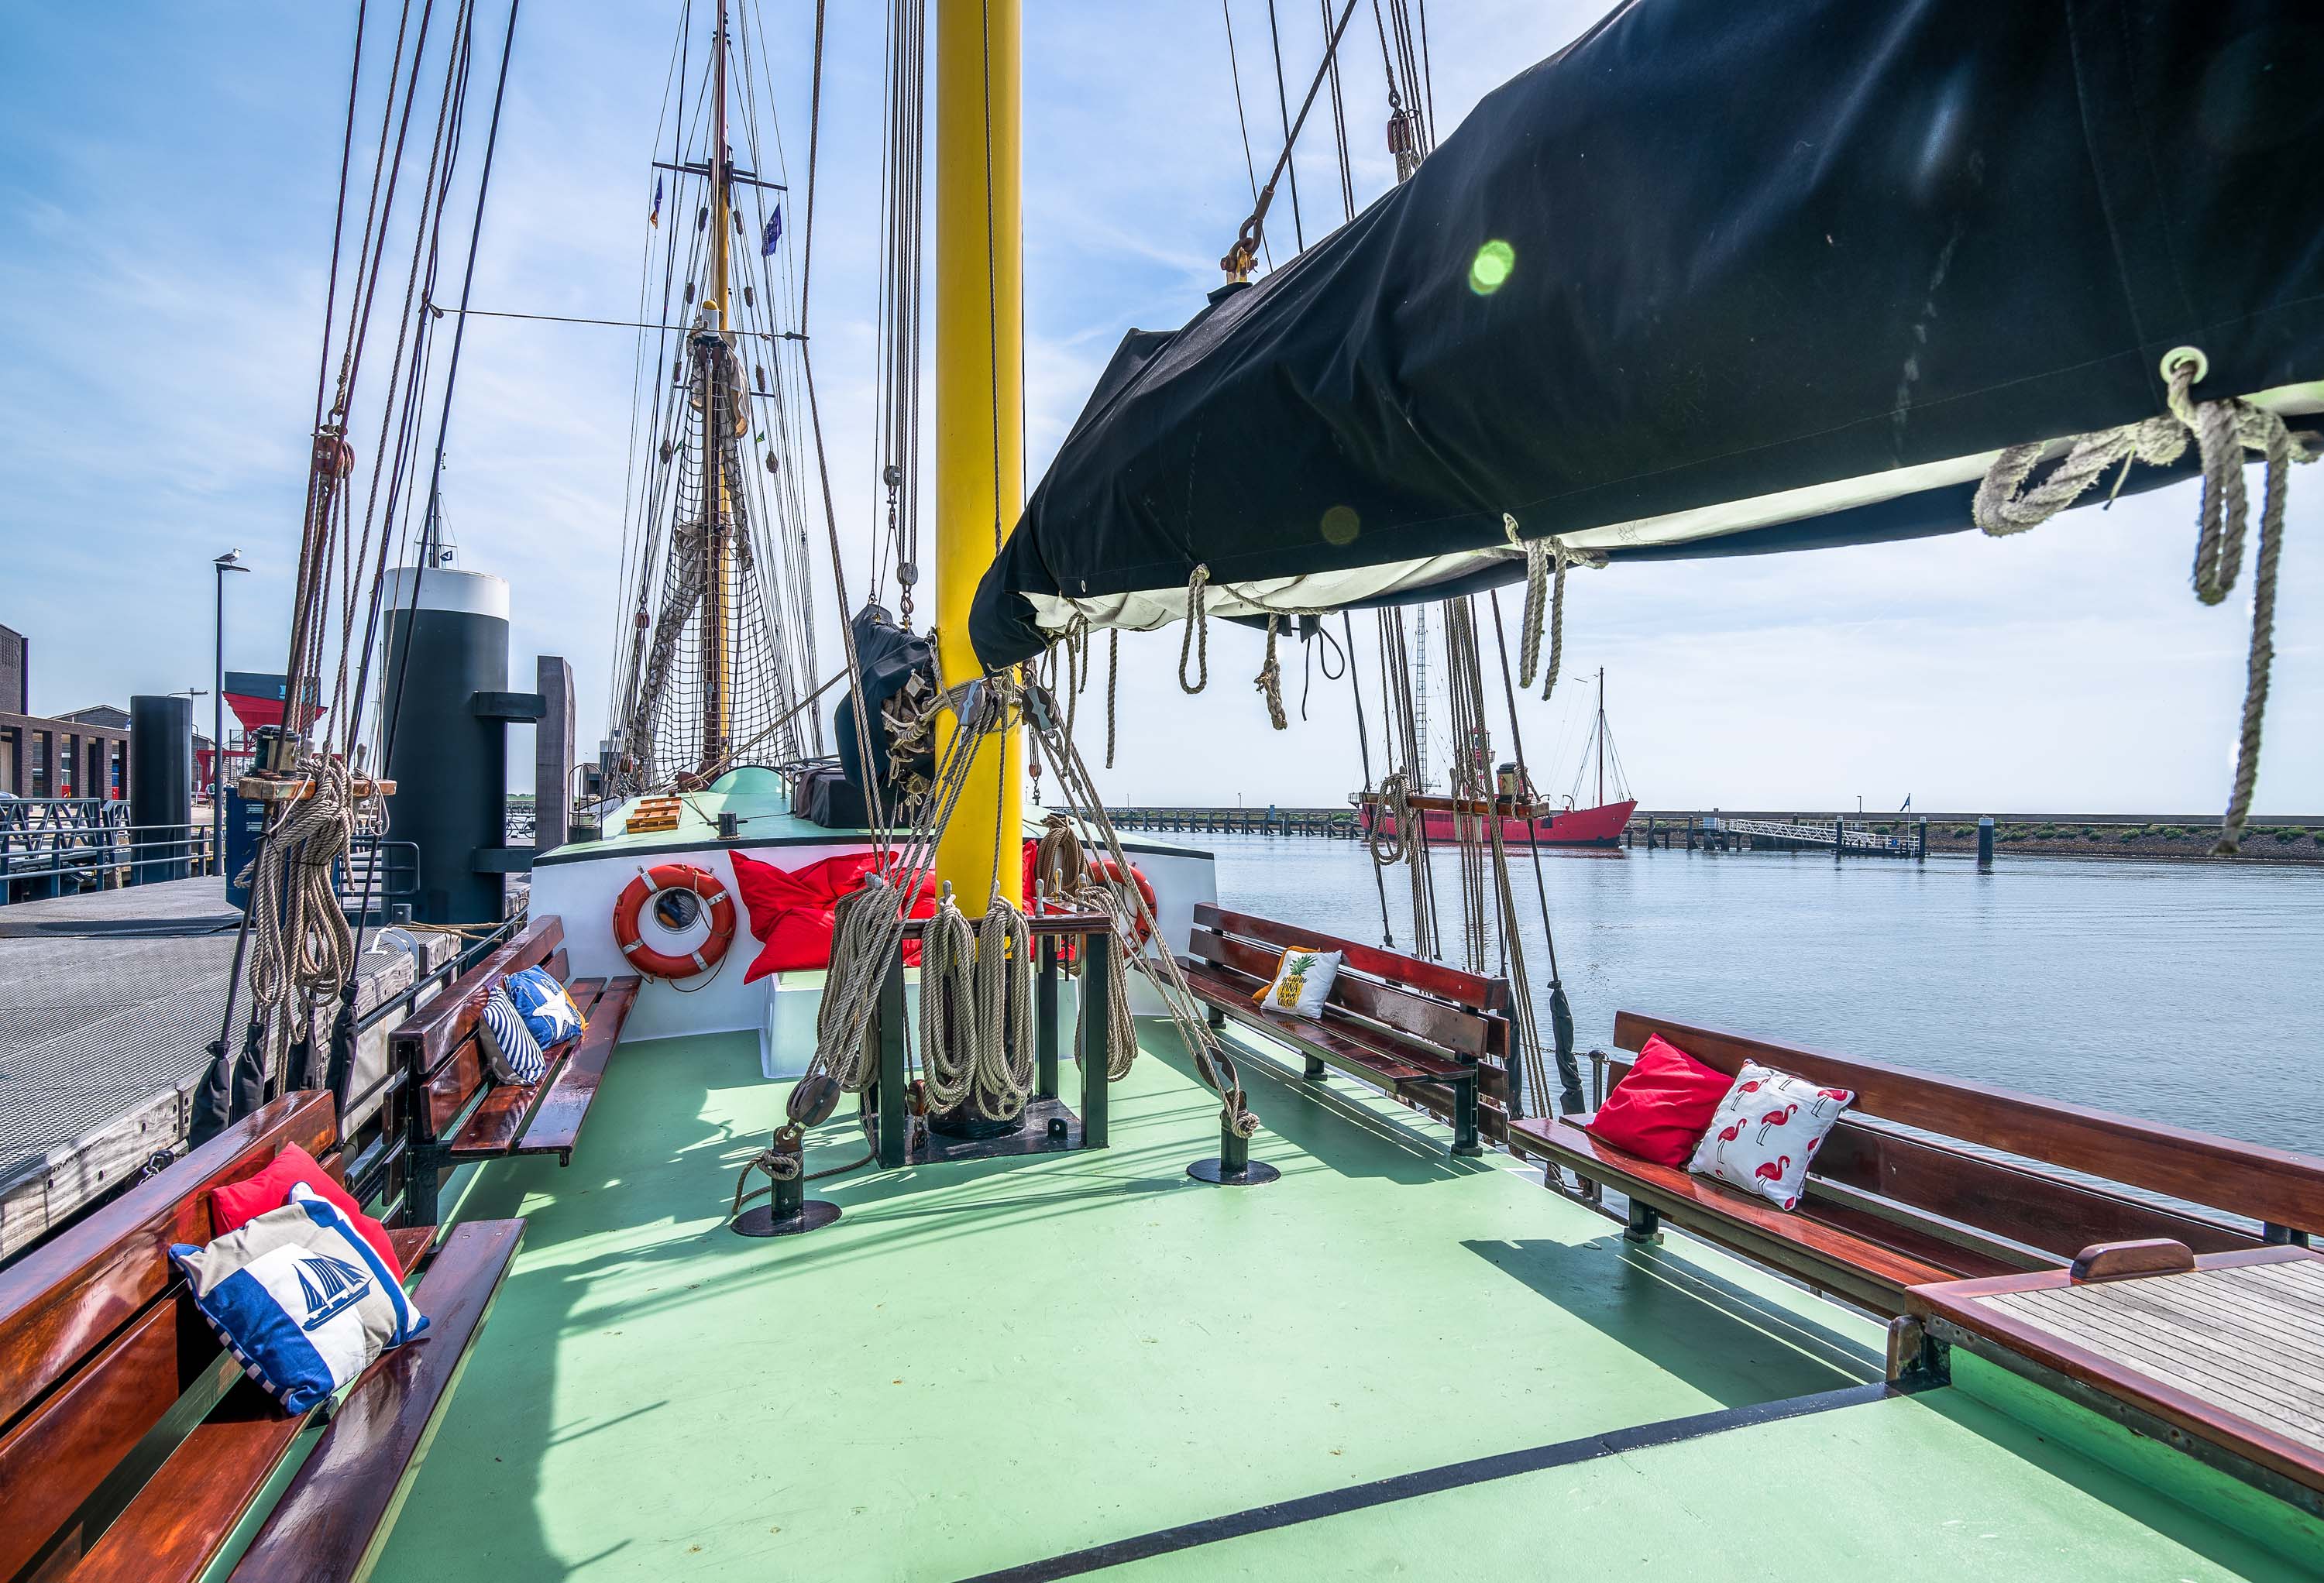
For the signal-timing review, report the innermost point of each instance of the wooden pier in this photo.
(1320, 824)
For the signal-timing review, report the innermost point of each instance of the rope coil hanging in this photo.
(1546, 560)
(2222, 430)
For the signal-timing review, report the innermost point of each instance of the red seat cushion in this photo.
(1663, 1105)
(236, 1204)
(790, 909)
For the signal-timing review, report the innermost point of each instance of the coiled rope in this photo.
(303, 948)
(947, 1000)
(2223, 430)
(1002, 1033)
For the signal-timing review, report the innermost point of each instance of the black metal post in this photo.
(895, 1115)
(1984, 842)
(1464, 1111)
(1096, 1032)
(1922, 854)
(1044, 1020)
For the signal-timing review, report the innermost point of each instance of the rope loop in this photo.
(2223, 431)
(1197, 640)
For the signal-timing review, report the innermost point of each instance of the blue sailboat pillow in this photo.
(508, 1044)
(548, 1010)
(303, 1302)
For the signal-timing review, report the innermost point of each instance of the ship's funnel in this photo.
(444, 694)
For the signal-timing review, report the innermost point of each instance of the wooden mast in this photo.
(980, 443)
(717, 424)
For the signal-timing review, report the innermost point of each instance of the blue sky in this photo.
(167, 173)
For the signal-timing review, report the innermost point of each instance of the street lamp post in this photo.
(231, 561)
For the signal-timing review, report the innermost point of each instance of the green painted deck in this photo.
(981, 1367)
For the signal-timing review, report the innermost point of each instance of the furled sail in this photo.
(1713, 280)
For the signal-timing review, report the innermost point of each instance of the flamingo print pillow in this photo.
(1766, 1131)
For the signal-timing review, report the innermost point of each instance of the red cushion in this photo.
(236, 1204)
(790, 910)
(1662, 1106)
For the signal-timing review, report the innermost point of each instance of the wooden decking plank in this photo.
(2231, 1329)
(2235, 1310)
(556, 1127)
(2204, 1371)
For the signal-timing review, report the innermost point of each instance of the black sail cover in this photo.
(1719, 279)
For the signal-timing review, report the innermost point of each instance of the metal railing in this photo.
(56, 846)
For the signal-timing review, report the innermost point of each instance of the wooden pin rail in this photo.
(266, 788)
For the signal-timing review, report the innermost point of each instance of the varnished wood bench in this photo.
(457, 1113)
(1430, 1034)
(1887, 1209)
(106, 1364)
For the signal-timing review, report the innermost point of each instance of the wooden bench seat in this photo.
(105, 1363)
(1886, 1210)
(1429, 1035)
(459, 1113)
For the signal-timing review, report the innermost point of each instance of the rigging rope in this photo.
(2222, 430)
(1251, 235)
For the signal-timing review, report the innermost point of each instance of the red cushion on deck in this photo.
(790, 910)
(1661, 1107)
(236, 1204)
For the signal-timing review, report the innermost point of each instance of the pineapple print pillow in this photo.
(1301, 982)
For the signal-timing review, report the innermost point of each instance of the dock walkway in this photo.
(109, 1002)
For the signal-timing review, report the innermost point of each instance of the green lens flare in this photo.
(1489, 271)
(1341, 526)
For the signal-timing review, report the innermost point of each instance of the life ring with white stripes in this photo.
(1105, 869)
(630, 911)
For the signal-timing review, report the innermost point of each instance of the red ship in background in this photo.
(1600, 823)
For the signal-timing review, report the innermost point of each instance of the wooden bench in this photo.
(1887, 1209)
(106, 1365)
(455, 1112)
(1432, 1036)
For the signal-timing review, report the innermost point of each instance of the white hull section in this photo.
(582, 894)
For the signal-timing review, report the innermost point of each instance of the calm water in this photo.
(2182, 992)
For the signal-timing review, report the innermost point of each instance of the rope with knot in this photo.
(1269, 681)
(1547, 559)
(2223, 430)
(1197, 639)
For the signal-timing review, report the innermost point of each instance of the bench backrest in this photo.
(2267, 1184)
(436, 1046)
(98, 1339)
(1442, 1006)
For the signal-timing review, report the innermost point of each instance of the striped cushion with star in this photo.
(509, 1045)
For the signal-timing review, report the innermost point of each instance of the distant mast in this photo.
(710, 345)
(1601, 738)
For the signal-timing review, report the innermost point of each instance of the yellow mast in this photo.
(717, 424)
(980, 441)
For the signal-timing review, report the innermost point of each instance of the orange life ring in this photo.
(629, 910)
(1103, 869)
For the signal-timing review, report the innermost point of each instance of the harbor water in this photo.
(2184, 993)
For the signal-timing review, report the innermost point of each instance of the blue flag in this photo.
(654, 219)
(774, 231)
